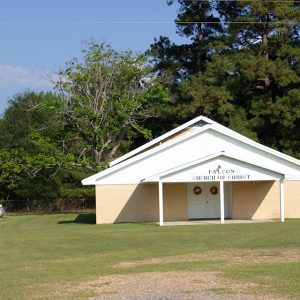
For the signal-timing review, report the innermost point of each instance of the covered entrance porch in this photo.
(209, 186)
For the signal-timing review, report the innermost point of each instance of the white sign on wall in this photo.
(221, 174)
(222, 168)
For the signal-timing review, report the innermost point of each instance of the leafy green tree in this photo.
(35, 166)
(11, 170)
(29, 112)
(107, 95)
(50, 143)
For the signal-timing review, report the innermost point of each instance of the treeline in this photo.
(50, 141)
(240, 68)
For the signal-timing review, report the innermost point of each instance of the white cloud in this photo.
(25, 77)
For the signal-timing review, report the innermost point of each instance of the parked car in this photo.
(2, 211)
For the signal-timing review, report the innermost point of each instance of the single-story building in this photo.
(199, 170)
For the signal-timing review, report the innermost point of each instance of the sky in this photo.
(39, 36)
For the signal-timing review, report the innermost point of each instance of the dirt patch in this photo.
(171, 285)
(182, 285)
(234, 257)
(31, 268)
(175, 285)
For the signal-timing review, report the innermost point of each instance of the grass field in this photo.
(44, 255)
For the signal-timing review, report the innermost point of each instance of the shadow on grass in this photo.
(90, 218)
(81, 218)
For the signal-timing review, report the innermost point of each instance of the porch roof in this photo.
(216, 167)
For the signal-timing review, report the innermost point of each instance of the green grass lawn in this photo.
(42, 253)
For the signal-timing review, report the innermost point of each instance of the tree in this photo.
(181, 68)
(107, 95)
(177, 62)
(249, 77)
(262, 70)
(49, 143)
(28, 112)
(35, 167)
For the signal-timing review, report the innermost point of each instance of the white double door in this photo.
(206, 204)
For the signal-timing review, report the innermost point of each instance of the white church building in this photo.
(199, 170)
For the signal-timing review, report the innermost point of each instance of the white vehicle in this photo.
(2, 211)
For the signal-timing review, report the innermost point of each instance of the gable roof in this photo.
(198, 121)
(202, 124)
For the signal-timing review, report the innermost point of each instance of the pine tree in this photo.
(243, 71)
(262, 73)
(181, 67)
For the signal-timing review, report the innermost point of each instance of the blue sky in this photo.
(38, 36)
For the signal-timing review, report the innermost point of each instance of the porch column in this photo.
(281, 200)
(222, 220)
(161, 203)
